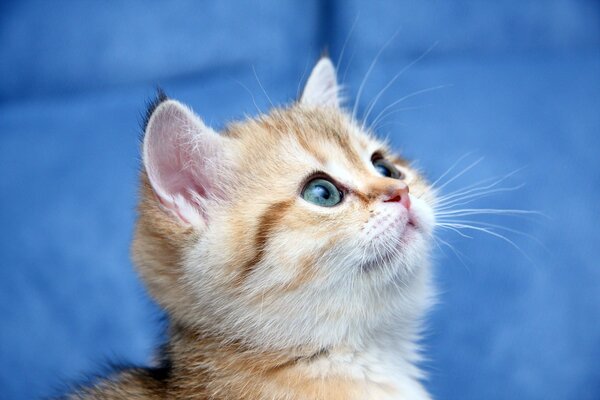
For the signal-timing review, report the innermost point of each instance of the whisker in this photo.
(459, 201)
(389, 123)
(491, 211)
(375, 127)
(489, 232)
(394, 79)
(496, 226)
(299, 87)
(481, 185)
(400, 100)
(368, 73)
(456, 252)
(464, 171)
(451, 168)
(452, 228)
(348, 65)
(261, 86)
(250, 93)
(341, 58)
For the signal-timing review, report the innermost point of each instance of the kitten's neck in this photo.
(201, 367)
(197, 367)
(380, 365)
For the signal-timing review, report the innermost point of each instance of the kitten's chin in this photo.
(411, 230)
(402, 260)
(406, 249)
(414, 224)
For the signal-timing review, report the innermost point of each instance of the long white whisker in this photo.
(350, 60)
(250, 93)
(464, 171)
(477, 186)
(456, 252)
(341, 58)
(489, 232)
(451, 168)
(452, 228)
(400, 100)
(459, 191)
(298, 88)
(459, 201)
(496, 226)
(483, 211)
(376, 126)
(394, 79)
(383, 124)
(262, 87)
(371, 66)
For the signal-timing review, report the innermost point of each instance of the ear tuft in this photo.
(322, 88)
(151, 106)
(181, 157)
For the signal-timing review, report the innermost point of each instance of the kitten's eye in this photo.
(386, 168)
(322, 193)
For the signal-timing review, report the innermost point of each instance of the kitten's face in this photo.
(295, 229)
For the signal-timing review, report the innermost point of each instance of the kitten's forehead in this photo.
(320, 138)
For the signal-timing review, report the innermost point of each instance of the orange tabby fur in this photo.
(270, 247)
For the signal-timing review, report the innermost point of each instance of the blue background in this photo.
(521, 89)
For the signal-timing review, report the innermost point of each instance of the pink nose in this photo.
(399, 194)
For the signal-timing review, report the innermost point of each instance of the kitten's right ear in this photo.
(182, 158)
(321, 88)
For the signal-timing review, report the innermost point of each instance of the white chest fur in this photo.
(376, 373)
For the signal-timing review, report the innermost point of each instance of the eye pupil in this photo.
(383, 170)
(387, 169)
(322, 192)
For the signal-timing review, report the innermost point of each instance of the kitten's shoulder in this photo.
(130, 384)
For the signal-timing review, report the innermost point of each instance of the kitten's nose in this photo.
(399, 194)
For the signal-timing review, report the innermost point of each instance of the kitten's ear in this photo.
(322, 88)
(182, 158)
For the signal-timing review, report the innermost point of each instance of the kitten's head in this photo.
(297, 228)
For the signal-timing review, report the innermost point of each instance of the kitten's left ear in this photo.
(184, 160)
(322, 88)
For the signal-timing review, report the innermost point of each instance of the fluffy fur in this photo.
(270, 296)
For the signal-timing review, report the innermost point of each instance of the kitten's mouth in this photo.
(406, 231)
(412, 222)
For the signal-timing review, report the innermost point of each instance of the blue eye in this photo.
(386, 168)
(322, 193)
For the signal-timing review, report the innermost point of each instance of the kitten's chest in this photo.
(364, 375)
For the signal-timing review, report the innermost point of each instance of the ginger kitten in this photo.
(290, 252)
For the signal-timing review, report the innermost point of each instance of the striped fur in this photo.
(271, 297)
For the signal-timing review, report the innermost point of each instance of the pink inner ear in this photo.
(175, 166)
(179, 156)
(321, 88)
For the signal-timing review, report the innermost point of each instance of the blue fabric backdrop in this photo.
(521, 88)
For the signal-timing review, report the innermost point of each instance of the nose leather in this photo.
(398, 194)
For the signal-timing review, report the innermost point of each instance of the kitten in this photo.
(290, 252)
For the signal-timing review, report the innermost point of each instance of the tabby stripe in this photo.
(268, 220)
